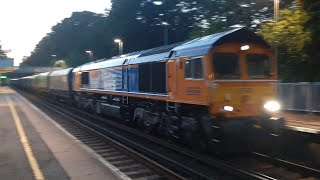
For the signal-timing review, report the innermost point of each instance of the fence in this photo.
(302, 96)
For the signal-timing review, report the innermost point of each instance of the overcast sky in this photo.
(25, 22)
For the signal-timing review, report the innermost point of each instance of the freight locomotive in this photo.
(212, 91)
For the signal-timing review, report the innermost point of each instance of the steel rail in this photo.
(204, 159)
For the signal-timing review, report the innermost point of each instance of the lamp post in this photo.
(90, 53)
(276, 18)
(165, 33)
(276, 10)
(53, 59)
(120, 45)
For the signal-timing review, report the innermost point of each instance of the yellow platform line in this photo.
(25, 143)
(6, 91)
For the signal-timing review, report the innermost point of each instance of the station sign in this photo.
(5, 63)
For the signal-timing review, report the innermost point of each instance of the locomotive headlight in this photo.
(272, 106)
(228, 108)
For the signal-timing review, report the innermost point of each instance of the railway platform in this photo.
(33, 146)
(302, 121)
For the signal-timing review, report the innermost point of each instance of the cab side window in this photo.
(193, 69)
(85, 78)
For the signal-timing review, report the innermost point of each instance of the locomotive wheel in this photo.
(77, 101)
(138, 122)
(168, 129)
(144, 125)
(197, 141)
(147, 128)
(97, 107)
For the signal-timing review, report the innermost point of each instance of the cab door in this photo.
(191, 77)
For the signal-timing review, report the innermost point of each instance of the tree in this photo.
(290, 38)
(312, 8)
(142, 24)
(2, 53)
(69, 41)
(221, 15)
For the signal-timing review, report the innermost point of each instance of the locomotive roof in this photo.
(28, 77)
(160, 50)
(115, 61)
(42, 75)
(150, 58)
(203, 45)
(154, 54)
(196, 47)
(60, 72)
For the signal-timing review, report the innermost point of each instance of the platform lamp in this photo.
(120, 45)
(276, 19)
(165, 32)
(54, 56)
(90, 53)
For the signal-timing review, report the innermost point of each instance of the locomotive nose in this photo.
(243, 99)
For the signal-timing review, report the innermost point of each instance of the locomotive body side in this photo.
(208, 92)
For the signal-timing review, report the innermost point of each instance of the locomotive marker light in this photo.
(245, 47)
(272, 106)
(228, 108)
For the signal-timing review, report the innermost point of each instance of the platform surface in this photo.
(33, 146)
(303, 120)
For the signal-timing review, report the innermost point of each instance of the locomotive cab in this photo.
(243, 92)
(234, 76)
(243, 89)
(242, 81)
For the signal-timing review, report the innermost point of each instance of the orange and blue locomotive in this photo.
(202, 91)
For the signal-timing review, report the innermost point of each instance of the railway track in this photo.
(162, 159)
(127, 162)
(303, 170)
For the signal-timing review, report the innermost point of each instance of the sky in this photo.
(23, 23)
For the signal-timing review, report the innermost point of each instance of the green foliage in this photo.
(289, 31)
(290, 39)
(296, 36)
(61, 64)
(2, 53)
(69, 40)
(199, 31)
(312, 7)
(141, 25)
